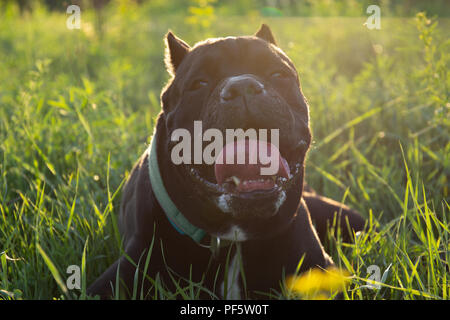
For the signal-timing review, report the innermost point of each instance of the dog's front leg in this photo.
(106, 285)
(327, 213)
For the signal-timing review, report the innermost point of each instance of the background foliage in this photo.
(77, 108)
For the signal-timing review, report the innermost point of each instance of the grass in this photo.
(77, 109)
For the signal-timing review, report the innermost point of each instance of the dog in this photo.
(232, 230)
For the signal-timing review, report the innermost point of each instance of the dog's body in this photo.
(258, 88)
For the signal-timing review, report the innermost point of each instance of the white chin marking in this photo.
(280, 200)
(234, 234)
(222, 202)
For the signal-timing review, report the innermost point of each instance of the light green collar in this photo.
(175, 217)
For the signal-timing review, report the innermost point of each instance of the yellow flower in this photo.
(318, 296)
(314, 283)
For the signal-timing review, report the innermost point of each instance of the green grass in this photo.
(77, 109)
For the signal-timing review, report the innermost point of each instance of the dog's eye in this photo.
(278, 74)
(197, 84)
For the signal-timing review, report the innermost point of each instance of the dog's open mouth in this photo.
(249, 169)
(250, 165)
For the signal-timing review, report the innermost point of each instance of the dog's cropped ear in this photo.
(176, 50)
(265, 33)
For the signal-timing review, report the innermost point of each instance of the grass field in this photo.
(77, 108)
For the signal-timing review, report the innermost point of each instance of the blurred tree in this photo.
(24, 5)
(201, 13)
(243, 7)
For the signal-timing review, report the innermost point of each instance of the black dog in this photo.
(181, 212)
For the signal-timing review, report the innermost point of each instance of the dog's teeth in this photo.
(236, 180)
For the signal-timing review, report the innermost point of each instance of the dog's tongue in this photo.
(242, 161)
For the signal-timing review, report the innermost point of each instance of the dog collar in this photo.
(175, 217)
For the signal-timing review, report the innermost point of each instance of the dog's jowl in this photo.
(220, 223)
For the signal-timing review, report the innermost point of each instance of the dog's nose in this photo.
(244, 85)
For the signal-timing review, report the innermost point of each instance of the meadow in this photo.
(77, 108)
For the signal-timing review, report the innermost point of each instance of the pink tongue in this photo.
(248, 171)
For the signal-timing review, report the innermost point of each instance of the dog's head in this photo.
(241, 86)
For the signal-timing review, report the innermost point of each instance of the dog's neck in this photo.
(175, 216)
